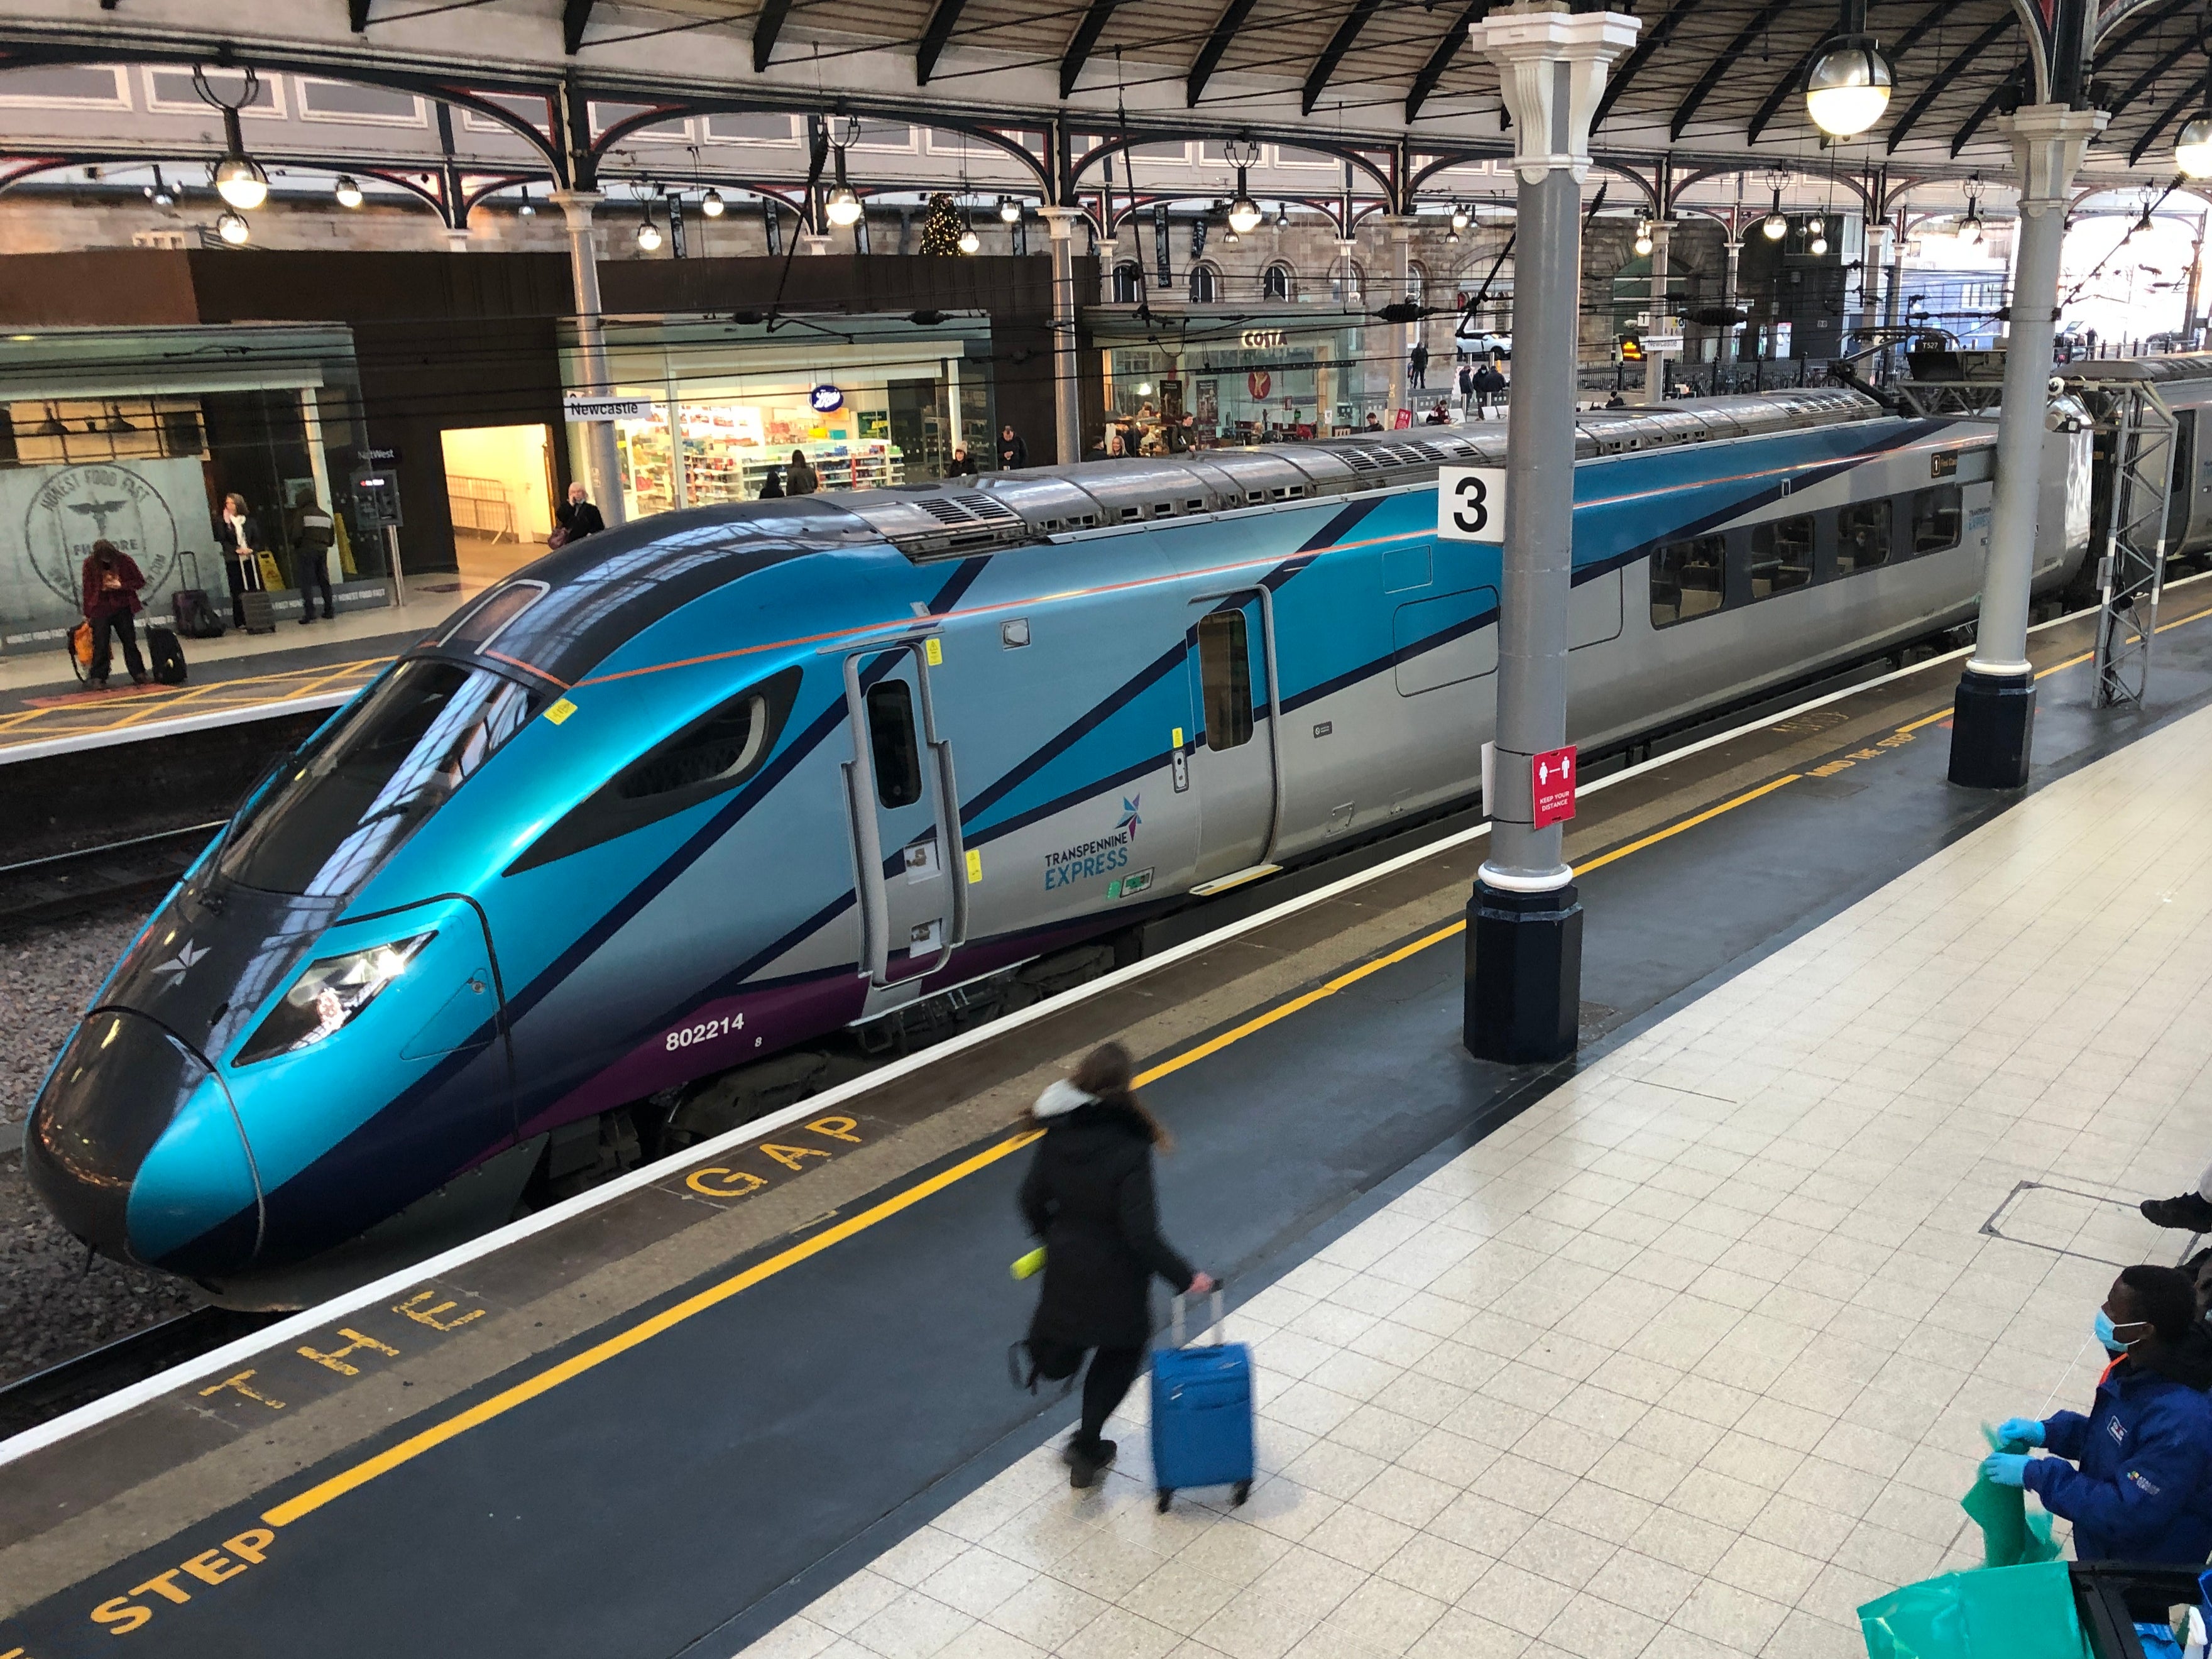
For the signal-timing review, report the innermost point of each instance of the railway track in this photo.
(30, 1400)
(36, 890)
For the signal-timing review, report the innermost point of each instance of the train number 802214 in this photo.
(685, 1036)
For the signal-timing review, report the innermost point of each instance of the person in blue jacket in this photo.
(2135, 1475)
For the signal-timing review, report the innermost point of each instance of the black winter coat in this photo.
(1088, 1198)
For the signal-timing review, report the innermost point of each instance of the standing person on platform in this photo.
(1488, 383)
(577, 516)
(1466, 378)
(242, 549)
(110, 581)
(2135, 1475)
(2190, 1213)
(1088, 1198)
(1417, 368)
(799, 478)
(771, 488)
(311, 532)
(1012, 452)
(962, 465)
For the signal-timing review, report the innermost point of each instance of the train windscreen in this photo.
(351, 801)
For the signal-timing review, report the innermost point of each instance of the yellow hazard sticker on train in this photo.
(559, 711)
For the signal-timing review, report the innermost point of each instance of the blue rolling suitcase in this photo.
(1202, 1415)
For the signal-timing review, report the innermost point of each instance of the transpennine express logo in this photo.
(82, 505)
(1094, 859)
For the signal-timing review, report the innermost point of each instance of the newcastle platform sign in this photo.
(1471, 504)
(605, 409)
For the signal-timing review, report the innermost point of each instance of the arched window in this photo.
(1347, 283)
(1204, 285)
(1277, 283)
(1417, 283)
(1128, 282)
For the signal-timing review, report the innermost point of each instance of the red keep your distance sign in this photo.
(1552, 784)
(1260, 382)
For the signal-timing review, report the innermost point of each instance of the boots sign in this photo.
(1471, 504)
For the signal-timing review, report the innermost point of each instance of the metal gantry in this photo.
(2132, 567)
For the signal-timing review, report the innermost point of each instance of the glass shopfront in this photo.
(134, 436)
(1200, 382)
(869, 401)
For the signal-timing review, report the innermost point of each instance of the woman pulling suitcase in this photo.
(1088, 1198)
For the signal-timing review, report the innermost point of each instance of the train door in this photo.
(905, 811)
(1234, 757)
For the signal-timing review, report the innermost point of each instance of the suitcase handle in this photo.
(1213, 1324)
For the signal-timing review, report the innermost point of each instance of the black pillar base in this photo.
(1524, 974)
(1993, 730)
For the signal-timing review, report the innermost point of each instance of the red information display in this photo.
(1552, 783)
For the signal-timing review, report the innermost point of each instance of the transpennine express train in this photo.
(692, 793)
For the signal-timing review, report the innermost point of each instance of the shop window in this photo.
(1224, 672)
(891, 742)
(1936, 515)
(1781, 555)
(710, 756)
(1204, 285)
(1128, 282)
(1861, 536)
(1685, 578)
(1276, 282)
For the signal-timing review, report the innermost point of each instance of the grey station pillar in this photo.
(1066, 392)
(602, 459)
(1524, 931)
(1993, 724)
(1655, 363)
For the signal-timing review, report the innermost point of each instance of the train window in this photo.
(710, 756)
(1936, 515)
(480, 626)
(352, 799)
(891, 742)
(1781, 555)
(1225, 671)
(1861, 536)
(1685, 578)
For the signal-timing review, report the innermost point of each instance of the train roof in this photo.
(562, 614)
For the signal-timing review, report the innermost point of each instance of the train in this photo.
(604, 863)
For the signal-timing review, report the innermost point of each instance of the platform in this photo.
(1680, 1348)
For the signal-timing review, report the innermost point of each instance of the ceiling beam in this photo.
(2194, 92)
(1095, 18)
(1792, 82)
(356, 13)
(1217, 45)
(1722, 64)
(2011, 85)
(942, 21)
(575, 17)
(2138, 27)
(1440, 60)
(1318, 78)
(2143, 82)
(1936, 83)
(766, 25)
(1661, 32)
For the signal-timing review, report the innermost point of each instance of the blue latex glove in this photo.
(2005, 1469)
(2023, 1431)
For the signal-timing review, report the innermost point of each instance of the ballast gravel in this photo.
(53, 1304)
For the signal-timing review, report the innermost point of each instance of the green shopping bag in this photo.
(1991, 1613)
(2011, 1537)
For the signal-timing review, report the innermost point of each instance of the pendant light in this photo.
(347, 191)
(842, 206)
(1818, 245)
(238, 179)
(2192, 151)
(969, 241)
(1644, 243)
(159, 192)
(1848, 87)
(1970, 227)
(1461, 218)
(1009, 211)
(1776, 222)
(529, 208)
(232, 229)
(649, 233)
(1245, 214)
(1282, 215)
(712, 205)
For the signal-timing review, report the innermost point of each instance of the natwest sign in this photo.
(1551, 784)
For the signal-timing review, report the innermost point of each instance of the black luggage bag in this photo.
(168, 656)
(260, 614)
(195, 614)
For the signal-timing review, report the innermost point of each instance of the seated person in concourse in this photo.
(2134, 1475)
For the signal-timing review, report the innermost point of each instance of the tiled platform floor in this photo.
(1690, 1360)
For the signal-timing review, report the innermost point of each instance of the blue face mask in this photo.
(2108, 1333)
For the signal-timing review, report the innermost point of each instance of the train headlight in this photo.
(325, 999)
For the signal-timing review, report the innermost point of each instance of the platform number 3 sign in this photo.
(1471, 504)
